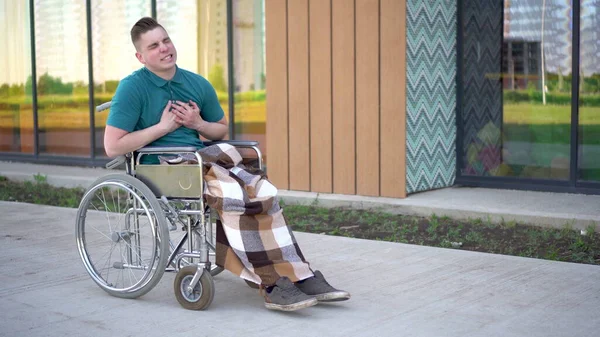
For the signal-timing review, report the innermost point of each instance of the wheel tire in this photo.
(202, 295)
(136, 257)
(252, 284)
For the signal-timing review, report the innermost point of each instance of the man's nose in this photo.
(162, 47)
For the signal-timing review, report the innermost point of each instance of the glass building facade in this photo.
(527, 81)
(529, 94)
(64, 57)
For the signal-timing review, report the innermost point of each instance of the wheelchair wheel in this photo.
(201, 296)
(122, 236)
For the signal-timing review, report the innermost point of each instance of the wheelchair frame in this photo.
(147, 214)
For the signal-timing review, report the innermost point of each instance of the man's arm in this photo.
(118, 141)
(214, 131)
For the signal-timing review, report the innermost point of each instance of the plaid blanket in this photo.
(253, 239)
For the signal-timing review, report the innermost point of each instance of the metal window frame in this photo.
(230, 71)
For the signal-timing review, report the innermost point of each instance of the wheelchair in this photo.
(126, 226)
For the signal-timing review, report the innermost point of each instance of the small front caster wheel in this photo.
(198, 298)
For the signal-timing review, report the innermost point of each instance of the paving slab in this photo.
(397, 290)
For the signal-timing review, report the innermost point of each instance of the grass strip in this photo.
(481, 235)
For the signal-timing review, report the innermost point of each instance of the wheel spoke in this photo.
(107, 241)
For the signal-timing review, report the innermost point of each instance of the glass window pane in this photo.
(16, 113)
(199, 31)
(113, 53)
(516, 89)
(62, 77)
(589, 92)
(250, 74)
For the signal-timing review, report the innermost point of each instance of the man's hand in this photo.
(188, 115)
(168, 120)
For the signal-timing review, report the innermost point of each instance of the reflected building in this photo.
(523, 22)
(14, 58)
(249, 57)
(521, 64)
(590, 38)
(211, 32)
(61, 43)
(113, 52)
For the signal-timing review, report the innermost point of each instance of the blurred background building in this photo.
(367, 97)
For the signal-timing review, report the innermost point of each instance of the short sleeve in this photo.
(126, 106)
(210, 110)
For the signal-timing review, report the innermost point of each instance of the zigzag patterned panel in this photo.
(481, 114)
(431, 94)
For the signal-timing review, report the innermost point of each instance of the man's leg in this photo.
(257, 243)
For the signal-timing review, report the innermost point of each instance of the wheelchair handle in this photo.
(103, 106)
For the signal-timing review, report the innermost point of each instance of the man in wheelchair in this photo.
(163, 105)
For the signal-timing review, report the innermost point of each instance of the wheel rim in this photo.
(132, 254)
(191, 296)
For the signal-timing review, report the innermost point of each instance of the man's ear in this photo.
(140, 58)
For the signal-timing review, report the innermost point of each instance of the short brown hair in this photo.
(143, 25)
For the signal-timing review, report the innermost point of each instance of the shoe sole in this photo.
(335, 296)
(293, 306)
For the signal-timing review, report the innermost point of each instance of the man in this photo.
(163, 105)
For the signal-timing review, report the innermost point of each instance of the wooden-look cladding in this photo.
(336, 107)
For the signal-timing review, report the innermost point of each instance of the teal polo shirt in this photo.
(142, 96)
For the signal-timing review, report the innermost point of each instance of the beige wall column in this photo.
(336, 102)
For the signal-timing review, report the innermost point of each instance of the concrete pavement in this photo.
(397, 290)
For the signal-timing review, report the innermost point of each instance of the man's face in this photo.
(156, 51)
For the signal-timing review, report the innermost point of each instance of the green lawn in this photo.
(548, 114)
(545, 132)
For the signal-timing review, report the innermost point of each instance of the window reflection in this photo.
(517, 89)
(589, 92)
(113, 53)
(199, 31)
(16, 111)
(62, 77)
(250, 75)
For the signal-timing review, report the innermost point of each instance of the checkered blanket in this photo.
(253, 240)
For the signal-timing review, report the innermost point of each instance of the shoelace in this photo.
(293, 292)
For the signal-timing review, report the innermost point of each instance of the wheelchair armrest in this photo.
(166, 149)
(240, 143)
(116, 162)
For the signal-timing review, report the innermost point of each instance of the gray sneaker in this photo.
(285, 296)
(323, 291)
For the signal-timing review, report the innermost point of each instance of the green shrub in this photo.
(554, 98)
